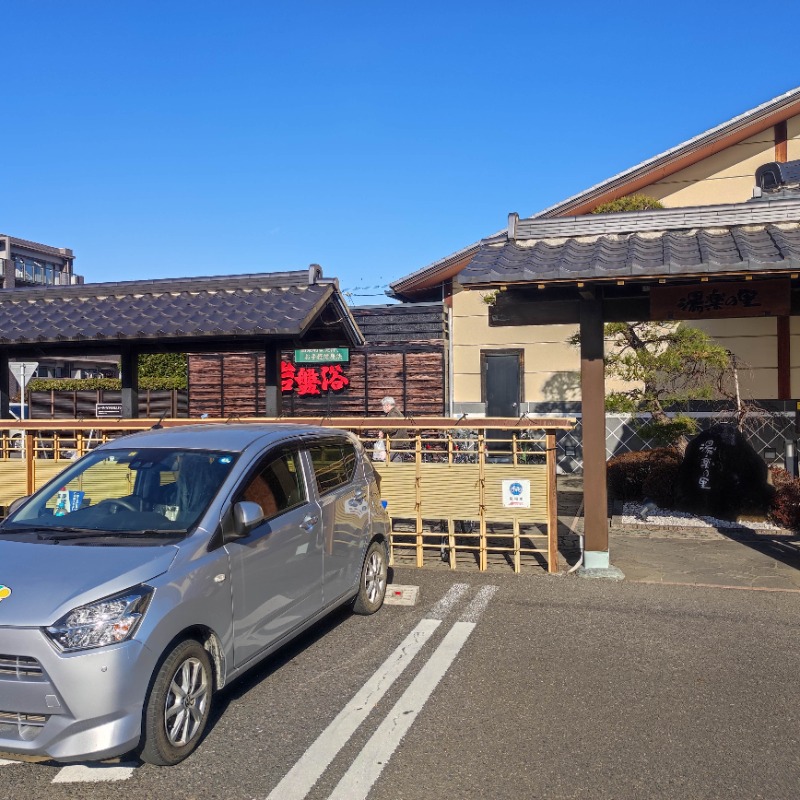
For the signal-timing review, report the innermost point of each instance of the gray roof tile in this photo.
(278, 304)
(738, 248)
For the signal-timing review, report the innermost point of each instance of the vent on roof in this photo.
(777, 177)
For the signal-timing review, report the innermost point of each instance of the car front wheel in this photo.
(178, 705)
(372, 584)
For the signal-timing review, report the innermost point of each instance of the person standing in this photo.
(397, 442)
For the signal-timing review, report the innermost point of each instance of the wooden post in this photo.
(30, 469)
(482, 502)
(552, 504)
(418, 496)
(595, 496)
(784, 359)
(272, 381)
(129, 371)
(4, 385)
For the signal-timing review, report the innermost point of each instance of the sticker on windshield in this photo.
(5, 591)
(225, 460)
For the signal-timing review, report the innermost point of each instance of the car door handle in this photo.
(309, 522)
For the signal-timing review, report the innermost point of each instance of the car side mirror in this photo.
(246, 516)
(16, 504)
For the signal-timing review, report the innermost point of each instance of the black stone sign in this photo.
(722, 476)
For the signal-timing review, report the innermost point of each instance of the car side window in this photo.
(277, 485)
(334, 464)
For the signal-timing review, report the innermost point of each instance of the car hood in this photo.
(44, 581)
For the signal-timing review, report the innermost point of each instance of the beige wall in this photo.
(551, 364)
(726, 177)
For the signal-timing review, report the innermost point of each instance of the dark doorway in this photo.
(501, 372)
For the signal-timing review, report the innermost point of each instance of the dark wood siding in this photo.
(405, 357)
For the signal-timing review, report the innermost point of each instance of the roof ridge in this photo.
(267, 280)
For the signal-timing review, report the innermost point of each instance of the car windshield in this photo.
(147, 490)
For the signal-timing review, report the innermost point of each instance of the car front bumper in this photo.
(70, 706)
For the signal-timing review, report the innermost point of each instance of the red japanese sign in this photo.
(312, 380)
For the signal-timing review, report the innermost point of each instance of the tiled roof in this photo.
(228, 307)
(579, 249)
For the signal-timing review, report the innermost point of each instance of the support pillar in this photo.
(129, 363)
(784, 359)
(272, 380)
(4, 385)
(595, 495)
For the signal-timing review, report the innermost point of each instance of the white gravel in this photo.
(636, 513)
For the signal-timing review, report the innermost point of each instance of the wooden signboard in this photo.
(718, 300)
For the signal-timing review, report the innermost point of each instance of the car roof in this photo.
(220, 436)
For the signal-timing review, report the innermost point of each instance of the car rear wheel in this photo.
(178, 705)
(372, 584)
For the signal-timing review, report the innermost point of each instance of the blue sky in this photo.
(165, 139)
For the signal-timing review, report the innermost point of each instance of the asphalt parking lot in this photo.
(521, 687)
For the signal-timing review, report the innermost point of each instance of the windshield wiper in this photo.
(64, 534)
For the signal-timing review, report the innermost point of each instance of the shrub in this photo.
(105, 384)
(633, 202)
(785, 508)
(644, 473)
(659, 485)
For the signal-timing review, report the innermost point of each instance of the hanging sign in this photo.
(322, 355)
(770, 298)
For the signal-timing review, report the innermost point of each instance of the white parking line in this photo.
(368, 765)
(93, 773)
(446, 604)
(300, 779)
(478, 604)
(4, 763)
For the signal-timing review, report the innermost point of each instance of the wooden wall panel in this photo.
(414, 376)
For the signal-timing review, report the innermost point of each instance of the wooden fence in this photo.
(455, 495)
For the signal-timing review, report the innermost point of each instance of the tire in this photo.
(372, 583)
(178, 705)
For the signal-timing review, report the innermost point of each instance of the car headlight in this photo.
(108, 621)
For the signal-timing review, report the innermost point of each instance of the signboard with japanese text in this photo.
(108, 410)
(768, 298)
(322, 355)
(516, 493)
(312, 380)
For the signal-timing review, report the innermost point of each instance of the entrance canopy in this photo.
(689, 263)
(550, 264)
(270, 311)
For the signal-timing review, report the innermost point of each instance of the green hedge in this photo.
(106, 384)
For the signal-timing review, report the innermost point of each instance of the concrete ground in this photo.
(738, 559)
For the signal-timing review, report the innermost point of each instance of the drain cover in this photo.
(401, 595)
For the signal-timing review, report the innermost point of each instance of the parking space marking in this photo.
(93, 773)
(300, 779)
(370, 762)
(478, 604)
(4, 763)
(444, 606)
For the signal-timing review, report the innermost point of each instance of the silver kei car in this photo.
(164, 564)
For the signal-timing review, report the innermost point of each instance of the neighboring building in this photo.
(535, 362)
(29, 264)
